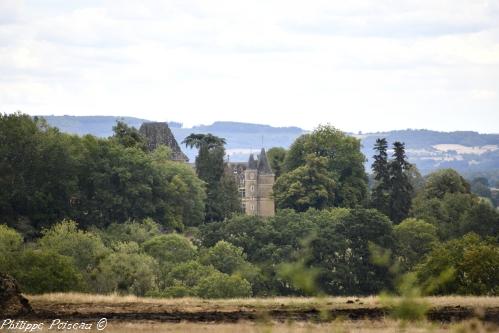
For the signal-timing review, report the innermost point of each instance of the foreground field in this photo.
(133, 309)
(360, 326)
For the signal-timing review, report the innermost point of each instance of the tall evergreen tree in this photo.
(221, 189)
(381, 193)
(401, 190)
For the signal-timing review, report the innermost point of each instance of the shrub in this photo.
(131, 231)
(127, 271)
(225, 257)
(221, 285)
(170, 248)
(39, 271)
(84, 247)
(187, 274)
(10, 243)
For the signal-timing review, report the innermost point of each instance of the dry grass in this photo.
(254, 303)
(89, 306)
(361, 326)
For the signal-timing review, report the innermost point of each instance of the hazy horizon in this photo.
(185, 126)
(369, 66)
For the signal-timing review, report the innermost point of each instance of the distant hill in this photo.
(101, 126)
(465, 151)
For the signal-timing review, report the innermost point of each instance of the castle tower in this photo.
(258, 183)
(158, 134)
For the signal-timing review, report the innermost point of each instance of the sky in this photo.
(359, 65)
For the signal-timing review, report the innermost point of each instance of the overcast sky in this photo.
(359, 65)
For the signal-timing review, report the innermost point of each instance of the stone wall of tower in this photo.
(255, 184)
(265, 198)
(250, 200)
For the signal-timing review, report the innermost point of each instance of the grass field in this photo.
(328, 314)
(338, 326)
(362, 326)
(197, 304)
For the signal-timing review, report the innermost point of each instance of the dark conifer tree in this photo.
(401, 191)
(222, 198)
(381, 193)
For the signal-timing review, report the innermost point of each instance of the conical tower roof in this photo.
(251, 162)
(263, 163)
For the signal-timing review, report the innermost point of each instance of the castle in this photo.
(255, 181)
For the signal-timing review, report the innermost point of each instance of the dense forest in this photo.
(102, 215)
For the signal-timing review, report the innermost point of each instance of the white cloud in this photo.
(420, 63)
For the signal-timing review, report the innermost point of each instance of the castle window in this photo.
(252, 188)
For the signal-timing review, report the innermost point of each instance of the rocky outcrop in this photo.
(160, 134)
(12, 303)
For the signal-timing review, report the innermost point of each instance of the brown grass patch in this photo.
(362, 326)
(256, 303)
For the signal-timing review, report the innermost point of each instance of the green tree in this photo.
(401, 191)
(445, 181)
(308, 186)
(119, 184)
(222, 198)
(47, 176)
(128, 137)
(37, 173)
(482, 218)
(248, 232)
(199, 140)
(271, 241)
(414, 238)
(447, 203)
(467, 265)
(227, 200)
(225, 257)
(188, 201)
(380, 198)
(342, 253)
(276, 157)
(344, 162)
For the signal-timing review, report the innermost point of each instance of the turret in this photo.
(263, 163)
(251, 162)
(258, 182)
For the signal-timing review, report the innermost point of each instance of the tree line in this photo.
(108, 215)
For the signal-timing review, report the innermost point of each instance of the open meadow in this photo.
(279, 314)
(361, 326)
